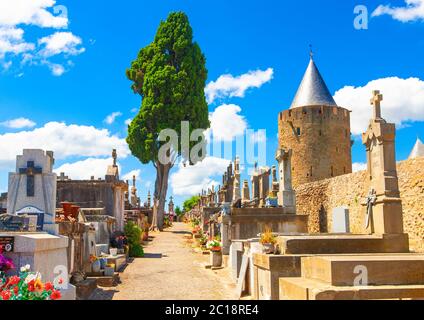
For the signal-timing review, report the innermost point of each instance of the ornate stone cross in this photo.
(30, 172)
(376, 102)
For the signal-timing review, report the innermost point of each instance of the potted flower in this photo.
(96, 265)
(27, 286)
(268, 241)
(215, 247)
(272, 200)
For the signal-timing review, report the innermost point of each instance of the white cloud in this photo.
(65, 140)
(403, 101)
(112, 117)
(60, 43)
(11, 41)
(190, 180)
(230, 86)
(31, 12)
(16, 15)
(128, 121)
(85, 169)
(129, 175)
(359, 166)
(18, 123)
(412, 11)
(57, 69)
(226, 122)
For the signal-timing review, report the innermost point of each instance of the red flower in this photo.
(16, 290)
(5, 295)
(48, 286)
(55, 295)
(13, 280)
(60, 281)
(31, 286)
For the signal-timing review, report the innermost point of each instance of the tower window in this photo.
(311, 171)
(320, 133)
(298, 131)
(332, 171)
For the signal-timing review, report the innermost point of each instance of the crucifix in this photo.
(115, 157)
(31, 170)
(376, 102)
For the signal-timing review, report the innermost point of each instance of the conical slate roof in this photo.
(312, 90)
(418, 150)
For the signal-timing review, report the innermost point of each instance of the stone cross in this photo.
(114, 156)
(30, 172)
(62, 177)
(376, 102)
(246, 193)
(379, 140)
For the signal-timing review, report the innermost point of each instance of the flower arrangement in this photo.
(93, 258)
(268, 238)
(196, 230)
(27, 286)
(6, 263)
(214, 245)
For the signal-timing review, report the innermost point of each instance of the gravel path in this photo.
(170, 270)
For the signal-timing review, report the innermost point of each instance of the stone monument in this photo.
(286, 194)
(32, 189)
(384, 205)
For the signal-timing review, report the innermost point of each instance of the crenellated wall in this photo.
(318, 199)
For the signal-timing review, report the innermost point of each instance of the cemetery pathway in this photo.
(171, 270)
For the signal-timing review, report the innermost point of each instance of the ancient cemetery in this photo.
(182, 199)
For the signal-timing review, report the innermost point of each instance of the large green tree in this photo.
(170, 76)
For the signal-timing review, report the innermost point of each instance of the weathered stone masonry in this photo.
(318, 199)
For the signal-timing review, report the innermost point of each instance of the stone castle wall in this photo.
(323, 148)
(318, 199)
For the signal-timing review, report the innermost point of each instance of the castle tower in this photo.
(317, 131)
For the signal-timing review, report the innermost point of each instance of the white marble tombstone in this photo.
(341, 220)
(32, 188)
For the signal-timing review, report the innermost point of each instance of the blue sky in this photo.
(237, 37)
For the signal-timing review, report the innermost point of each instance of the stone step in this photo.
(387, 269)
(343, 244)
(309, 289)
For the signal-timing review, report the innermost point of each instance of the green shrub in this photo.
(133, 234)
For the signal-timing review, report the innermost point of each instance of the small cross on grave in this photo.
(376, 102)
(62, 177)
(30, 172)
(114, 156)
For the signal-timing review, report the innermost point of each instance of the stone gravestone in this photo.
(384, 205)
(341, 220)
(286, 194)
(32, 189)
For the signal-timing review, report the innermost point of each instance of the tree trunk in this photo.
(161, 189)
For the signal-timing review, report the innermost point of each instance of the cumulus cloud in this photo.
(15, 15)
(412, 11)
(65, 140)
(33, 12)
(226, 122)
(129, 175)
(190, 180)
(403, 101)
(60, 43)
(229, 86)
(112, 117)
(85, 169)
(359, 166)
(12, 41)
(18, 123)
